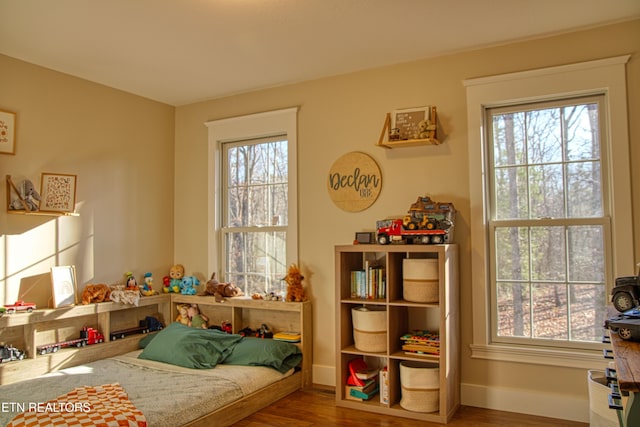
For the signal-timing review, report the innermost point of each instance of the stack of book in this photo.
(421, 342)
(369, 283)
(362, 383)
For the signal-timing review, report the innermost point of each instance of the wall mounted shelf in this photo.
(431, 140)
(11, 188)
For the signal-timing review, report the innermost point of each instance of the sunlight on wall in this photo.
(26, 259)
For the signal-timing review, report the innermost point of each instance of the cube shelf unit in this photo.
(26, 331)
(401, 317)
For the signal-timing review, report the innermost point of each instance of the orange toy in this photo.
(295, 290)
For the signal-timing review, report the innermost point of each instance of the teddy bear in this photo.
(183, 314)
(295, 289)
(96, 293)
(197, 319)
(425, 127)
(188, 285)
(173, 281)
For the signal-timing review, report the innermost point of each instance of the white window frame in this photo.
(605, 76)
(253, 126)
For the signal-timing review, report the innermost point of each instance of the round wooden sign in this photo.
(354, 182)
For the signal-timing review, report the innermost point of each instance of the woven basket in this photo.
(420, 384)
(420, 280)
(369, 329)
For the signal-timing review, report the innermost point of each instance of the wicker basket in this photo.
(420, 384)
(369, 329)
(420, 280)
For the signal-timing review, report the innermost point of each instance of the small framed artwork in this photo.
(63, 286)
(58, 193)
(7, 132)
(405, 124)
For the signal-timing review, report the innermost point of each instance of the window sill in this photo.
(587, 359)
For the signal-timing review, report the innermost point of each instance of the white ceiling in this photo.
(183, 51)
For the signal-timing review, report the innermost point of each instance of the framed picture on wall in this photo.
(58, 193)
(7, 132)
(63, 286)
(405, 124)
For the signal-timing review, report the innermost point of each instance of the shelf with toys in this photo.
(424, 129)
(41, 328)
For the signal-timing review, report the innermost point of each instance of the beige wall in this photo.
(120, 146)
(346, 113)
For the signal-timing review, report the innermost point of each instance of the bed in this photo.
(181, 377)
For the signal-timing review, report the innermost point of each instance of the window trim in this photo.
(253, 126)
(600, 76)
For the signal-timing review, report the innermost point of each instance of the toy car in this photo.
(626, 292)
(9, 353)
(627, 324)
(20, 306)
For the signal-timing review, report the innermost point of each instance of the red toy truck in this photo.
(88, 336)
(20, 306)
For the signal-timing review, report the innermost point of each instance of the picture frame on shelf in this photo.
(63, 286)
(7, 132)
(58, 192)
(405, 123)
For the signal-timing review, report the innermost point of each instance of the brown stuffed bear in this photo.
(96, 293)
(295, 290)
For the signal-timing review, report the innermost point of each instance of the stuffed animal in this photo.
(221, 290)
(424, 128)
(27, 198)
(188, 285)
(176, 272)
(295, 289)
(147, 287)
(183, 314)
(130, 283)
(197, 320)
(96, 293)
(227, 290)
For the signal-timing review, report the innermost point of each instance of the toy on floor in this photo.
(295, 289)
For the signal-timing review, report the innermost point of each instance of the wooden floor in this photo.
(316, 407)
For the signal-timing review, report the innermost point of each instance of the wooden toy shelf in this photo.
(431, 140)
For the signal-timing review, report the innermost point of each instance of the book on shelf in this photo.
(369, 283)
(367, 374)
(421, 342)
(288, 336)
(353, 393)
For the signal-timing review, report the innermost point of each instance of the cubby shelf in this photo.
(401, 317)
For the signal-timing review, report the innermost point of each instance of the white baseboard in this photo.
(513, 400)
(324, 375)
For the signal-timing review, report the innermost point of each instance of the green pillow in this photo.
(279, 355)
(181, 345)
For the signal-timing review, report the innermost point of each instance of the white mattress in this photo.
(168, 395)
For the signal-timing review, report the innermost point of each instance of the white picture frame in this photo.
(63, 286)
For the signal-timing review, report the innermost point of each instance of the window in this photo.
(548, 225)
(550, 209)
(252, 199)
(254, 208)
